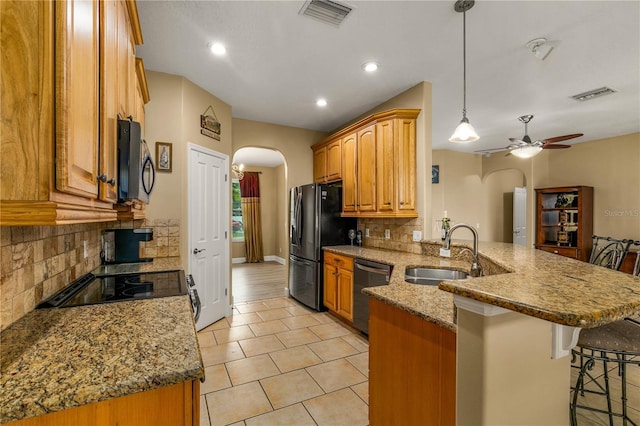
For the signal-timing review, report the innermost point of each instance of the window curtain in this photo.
(250, 199)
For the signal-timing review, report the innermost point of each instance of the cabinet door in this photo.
(384, 167)
(334, 161)
(320, 165)
(345, 294)
(77, 91)
(126, 63)
(406, 164)
(366, 182)
(349, 189)
(330, 297)
(108, 169)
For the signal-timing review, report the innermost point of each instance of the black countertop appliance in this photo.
(126, 245)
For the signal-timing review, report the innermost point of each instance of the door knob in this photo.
(196, 251)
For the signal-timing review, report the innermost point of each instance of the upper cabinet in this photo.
(378, 165)
(327, 161)
(61, 98)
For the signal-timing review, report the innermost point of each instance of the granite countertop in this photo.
(425, 301)
(56, 359)
(525, 280)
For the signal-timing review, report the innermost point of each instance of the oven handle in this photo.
(196, 302)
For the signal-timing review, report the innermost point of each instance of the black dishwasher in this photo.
(366, 274)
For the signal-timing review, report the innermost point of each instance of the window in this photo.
(237, 233)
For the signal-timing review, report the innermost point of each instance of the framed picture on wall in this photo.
(164, 157)
(435, 174)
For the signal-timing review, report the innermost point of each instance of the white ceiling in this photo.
(278, 62)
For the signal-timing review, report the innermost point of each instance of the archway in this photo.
(261, 280)
(497, 188)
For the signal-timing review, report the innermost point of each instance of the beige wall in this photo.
(472, 188)
(459, 191)
(612, 167)
(418, 97)
(173, 115)
(295, 146)
(270, 191)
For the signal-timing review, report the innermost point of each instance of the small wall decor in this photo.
(164, 157)
(210, 126)
(435, 174)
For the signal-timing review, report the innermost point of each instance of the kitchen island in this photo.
(514, 328)
(84, 361)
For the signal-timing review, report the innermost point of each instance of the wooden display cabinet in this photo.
(564, 221)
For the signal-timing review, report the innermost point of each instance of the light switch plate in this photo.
(417, 235)
(387, 234)
(366, 232)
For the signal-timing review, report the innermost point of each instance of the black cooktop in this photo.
(90, 289)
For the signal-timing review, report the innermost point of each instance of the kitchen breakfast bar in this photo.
(515, 326)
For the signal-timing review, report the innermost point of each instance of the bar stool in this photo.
(616, 343)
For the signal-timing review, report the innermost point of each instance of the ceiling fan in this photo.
(525, 148)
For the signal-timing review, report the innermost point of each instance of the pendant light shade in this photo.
(464, 132)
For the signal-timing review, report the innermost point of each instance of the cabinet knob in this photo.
(555, 251)
(402, 203)
(104, 178)
(388, 203)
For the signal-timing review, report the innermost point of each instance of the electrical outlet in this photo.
(85, 249)
(387, 234)
(417, 236)
(445, 253)
(366, 232)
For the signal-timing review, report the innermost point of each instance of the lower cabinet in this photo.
(412, 369)
(175, 405)
(338, 284)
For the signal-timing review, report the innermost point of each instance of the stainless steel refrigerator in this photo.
(315, 222)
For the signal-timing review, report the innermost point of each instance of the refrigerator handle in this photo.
(299, 220)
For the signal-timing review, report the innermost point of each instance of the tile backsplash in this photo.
(37, 261)
(401, 234)
(166, 236)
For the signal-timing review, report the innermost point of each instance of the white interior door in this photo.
(208, 192)
(520, 216)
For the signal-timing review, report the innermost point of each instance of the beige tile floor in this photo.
(275, 362)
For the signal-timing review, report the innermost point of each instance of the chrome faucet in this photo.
(476, 269)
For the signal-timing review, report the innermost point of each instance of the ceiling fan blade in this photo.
(480, 151)
(516, 140)
(562, 138)
(555, 146)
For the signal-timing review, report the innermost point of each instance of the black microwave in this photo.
(136, 172)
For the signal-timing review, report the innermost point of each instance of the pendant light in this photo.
(464, 132)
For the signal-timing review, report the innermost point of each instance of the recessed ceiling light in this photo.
(217, 48)
(321, 102)
(370, 66)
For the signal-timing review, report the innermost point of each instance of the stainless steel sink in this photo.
(431, 276)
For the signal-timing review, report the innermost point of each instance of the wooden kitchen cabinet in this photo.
(60, 104)
(412, 369)
(378, 165)
(338, 284)
(564, 221)
(349, 170)
(327, 162)
(176, 405)
(77, 61)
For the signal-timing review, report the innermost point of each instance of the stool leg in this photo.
(606, 385)
(584, 366)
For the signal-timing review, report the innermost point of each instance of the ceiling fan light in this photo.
(526, 151)
(464, 133)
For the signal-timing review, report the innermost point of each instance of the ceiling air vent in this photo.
(593, 94)
(327, 11)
